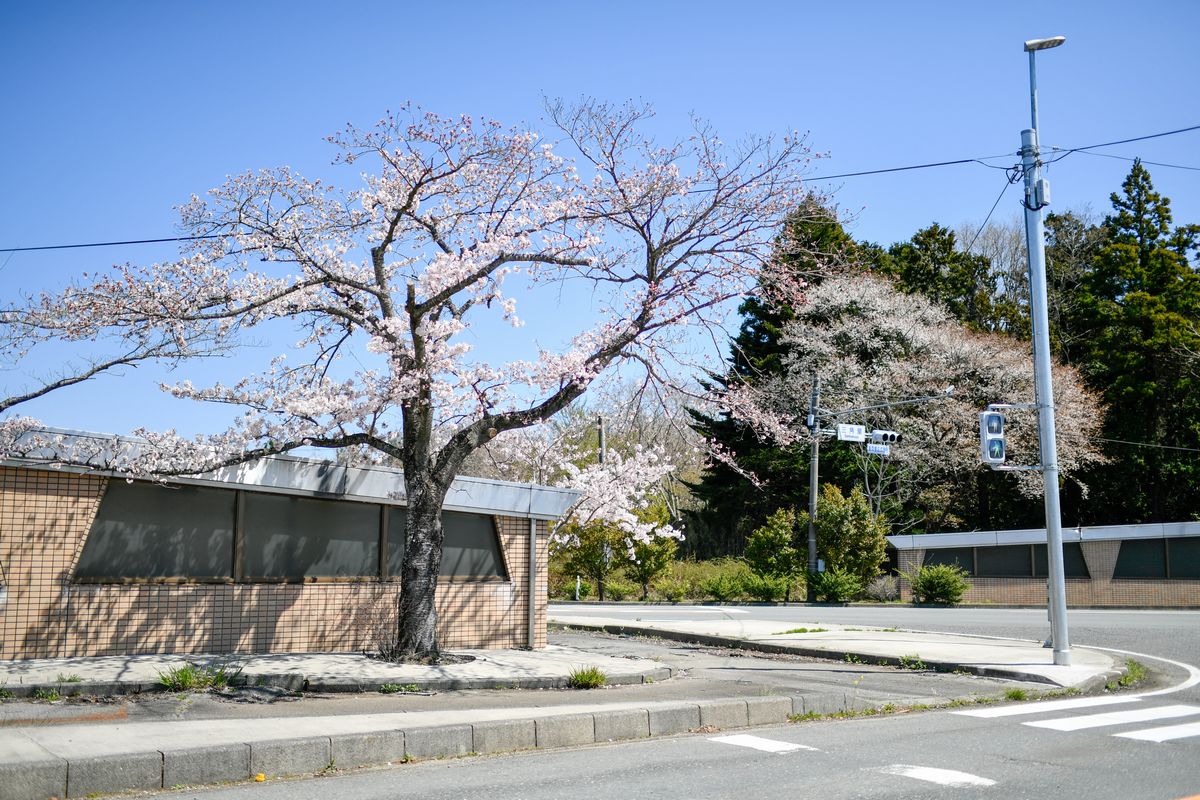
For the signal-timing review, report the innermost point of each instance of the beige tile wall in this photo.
(44, 516)
(1099, 590)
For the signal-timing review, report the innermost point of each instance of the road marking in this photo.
(651, 613)
(1049, 705)
(1164, 734)
(759, 743)
(943, 777)
(1114, 718)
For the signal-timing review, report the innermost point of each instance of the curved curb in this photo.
(1090, 684)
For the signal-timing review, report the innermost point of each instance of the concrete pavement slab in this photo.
(979, 655)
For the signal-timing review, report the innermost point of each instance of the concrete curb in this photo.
(277, 758)
(1091, 684)
(298, 682)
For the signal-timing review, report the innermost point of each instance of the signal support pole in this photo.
(1037, 196)
(814, 428)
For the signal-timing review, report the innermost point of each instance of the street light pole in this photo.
(1037, 195)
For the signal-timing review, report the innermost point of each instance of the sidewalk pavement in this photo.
(43, 754)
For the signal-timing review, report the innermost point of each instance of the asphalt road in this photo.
(1093, 747)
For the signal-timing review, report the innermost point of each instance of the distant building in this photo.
(1112, 565)
(279, 555)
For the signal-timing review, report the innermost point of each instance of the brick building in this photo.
(281, 555)
(1111, 565)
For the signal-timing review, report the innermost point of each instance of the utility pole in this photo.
(1037, 196)
(814, 428)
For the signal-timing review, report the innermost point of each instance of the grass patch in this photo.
(587, 678)
(802, 630)
(49, 695)
(68, 678)
(912, 662)
(959, 702)
(1135, 673)
(398, 688)
(191, 677)
(850, 658)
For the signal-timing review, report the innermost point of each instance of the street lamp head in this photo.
(1044, 44)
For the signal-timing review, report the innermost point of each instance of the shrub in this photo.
(766, 588)
(671, 588)
(834, 585)
(587, 678)
(884, 588)
(943, 584)
(722, 587)
(695, 573)
(849, 535)
(617, 589)
(771, 556)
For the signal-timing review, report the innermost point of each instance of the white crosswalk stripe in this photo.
(1046, 705)
(1115, 718)
(1080, 722)
(1165, 733)
(759, 743)
(942, 777)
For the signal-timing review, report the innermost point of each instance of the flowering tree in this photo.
(872, 344)
(398, 271)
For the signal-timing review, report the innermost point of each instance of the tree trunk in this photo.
(416, 638)
(416, 621)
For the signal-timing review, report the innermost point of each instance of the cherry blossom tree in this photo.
(454, 221)
(872, 344)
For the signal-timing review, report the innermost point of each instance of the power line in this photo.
(1069, 151)
(108, 244)
(1146, 444)
(912, 166)
(1014, 175)
(981, 161)
(1142, 160)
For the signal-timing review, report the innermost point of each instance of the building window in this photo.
(293, 538)
(1006, 561)
(1074, 564)
(1183, 559)
(1142, 558)
(470, 546)
(963, 557)
(1009, 561)
(148, 531)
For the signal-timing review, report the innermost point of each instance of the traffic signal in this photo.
(991, 437)
(885, 437)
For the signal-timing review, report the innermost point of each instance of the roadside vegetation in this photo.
(190, 677)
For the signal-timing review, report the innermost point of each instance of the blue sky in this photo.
(115, 112)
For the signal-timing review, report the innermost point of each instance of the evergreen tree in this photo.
(1135, 337)
(813, 244)
(932, 264)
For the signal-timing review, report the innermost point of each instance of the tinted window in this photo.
(1008, 561)
(299, 537)
(1185, 557)
(959, 556)
(1142, 558)
(470, 547)
(1074, 565)
(146, 530)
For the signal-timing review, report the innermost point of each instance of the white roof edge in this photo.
(289, 474)
(1153, 530)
